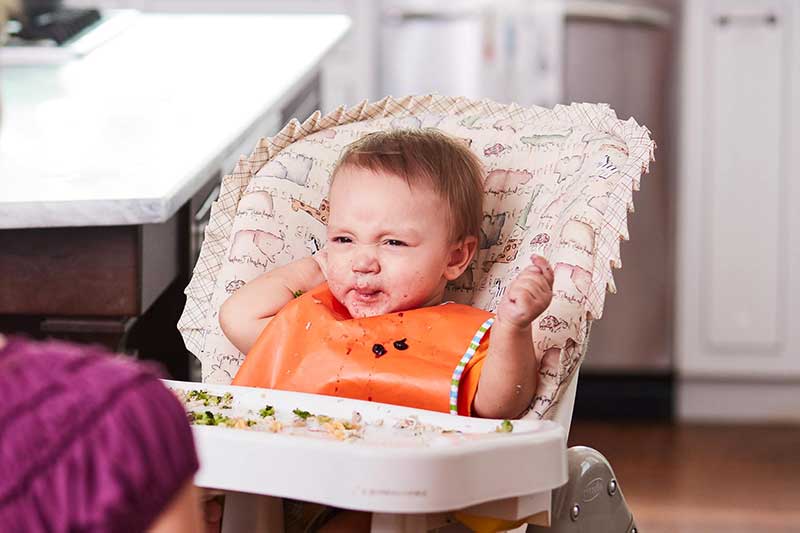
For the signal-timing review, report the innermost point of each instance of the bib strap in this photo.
(457, 373)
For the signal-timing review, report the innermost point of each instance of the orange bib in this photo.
(428, 358)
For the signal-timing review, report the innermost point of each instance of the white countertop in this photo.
(128, 133)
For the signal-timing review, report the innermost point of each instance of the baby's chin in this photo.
(360, 310)
(383, 305)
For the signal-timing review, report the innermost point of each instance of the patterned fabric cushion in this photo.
(558, 183)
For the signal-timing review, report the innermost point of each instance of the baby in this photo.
(369, 322)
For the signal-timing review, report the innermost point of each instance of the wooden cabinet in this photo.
(738, 224)
(93, 283)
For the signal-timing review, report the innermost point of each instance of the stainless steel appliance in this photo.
(561, 51)
(626, 61)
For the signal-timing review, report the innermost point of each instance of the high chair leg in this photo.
(591, 500)
(399, 523)
(245, 513)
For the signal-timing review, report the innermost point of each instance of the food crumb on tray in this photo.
(206, 409)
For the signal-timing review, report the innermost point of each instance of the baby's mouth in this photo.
(366, 295)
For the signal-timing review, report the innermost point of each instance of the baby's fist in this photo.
(528, 295)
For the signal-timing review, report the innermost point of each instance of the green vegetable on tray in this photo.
(227, 399)
(223, 401)
(266, 411)
(197, 395)
(207, 418)
(505, 427)
(301, 414)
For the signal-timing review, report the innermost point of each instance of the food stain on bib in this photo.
(378, 350)
(400, 345)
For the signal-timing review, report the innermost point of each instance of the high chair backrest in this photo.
(558, 183)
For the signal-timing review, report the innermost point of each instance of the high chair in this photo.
(558, 183)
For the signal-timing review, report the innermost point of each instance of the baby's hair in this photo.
(430, 157)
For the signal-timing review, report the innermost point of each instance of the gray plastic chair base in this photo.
(591, 500)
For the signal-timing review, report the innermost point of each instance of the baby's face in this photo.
(388, 244)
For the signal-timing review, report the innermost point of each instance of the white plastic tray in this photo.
(459, 463)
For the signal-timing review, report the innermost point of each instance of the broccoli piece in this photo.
(223, 401)
(266, 411)
(301, 414)
(197, 395)
(205, 418)
(505, 427)
(227, 399)
(297, 294)
(251, 423)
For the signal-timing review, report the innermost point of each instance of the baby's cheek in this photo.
(335, 286)
(336, 272)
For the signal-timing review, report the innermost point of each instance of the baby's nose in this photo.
(365, 261)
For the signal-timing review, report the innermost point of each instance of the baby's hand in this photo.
(528, 295)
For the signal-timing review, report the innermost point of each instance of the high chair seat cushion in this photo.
(558, 183)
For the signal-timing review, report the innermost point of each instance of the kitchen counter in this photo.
(128, 133)
(109, 164)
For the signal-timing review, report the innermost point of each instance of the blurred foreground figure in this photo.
(90, 441)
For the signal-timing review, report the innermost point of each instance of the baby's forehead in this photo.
(354, 182)
(418, 180)
(353, 186)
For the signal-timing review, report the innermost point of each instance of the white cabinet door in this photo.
(738, 291)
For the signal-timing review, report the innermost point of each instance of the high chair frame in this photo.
(586, 205)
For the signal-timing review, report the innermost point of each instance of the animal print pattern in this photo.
(558, 183)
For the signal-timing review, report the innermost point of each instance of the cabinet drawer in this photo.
(87, 271)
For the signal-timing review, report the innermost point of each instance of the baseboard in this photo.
(705, 400)
(624, 396)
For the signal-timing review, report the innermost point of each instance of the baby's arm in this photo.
(508, 379)
(244, 315)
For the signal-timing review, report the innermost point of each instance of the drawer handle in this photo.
(615, 13)
(769, 19)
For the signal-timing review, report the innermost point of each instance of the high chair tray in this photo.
(365, 455)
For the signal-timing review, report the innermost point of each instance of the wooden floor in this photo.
(702, 479)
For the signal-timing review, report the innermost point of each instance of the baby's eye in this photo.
(395, 242)
(342, 240)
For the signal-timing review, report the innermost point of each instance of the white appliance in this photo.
(432, 47)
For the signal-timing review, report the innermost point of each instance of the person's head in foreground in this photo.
(91, 442)
(405, 214)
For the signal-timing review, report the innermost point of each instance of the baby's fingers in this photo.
(544, 267)
(543, 291)
(536, 288)
(532, 273)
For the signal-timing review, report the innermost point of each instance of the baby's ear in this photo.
(461, 254)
